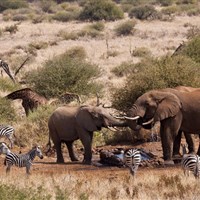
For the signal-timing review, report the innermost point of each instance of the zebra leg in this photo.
(71, 151)
(8, 169)
(28, 166)
(11, 141)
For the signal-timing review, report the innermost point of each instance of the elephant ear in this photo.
(84, 119)
(168, 106)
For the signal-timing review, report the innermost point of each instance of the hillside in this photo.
(160, 37)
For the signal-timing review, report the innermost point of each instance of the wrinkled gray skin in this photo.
(176, 111)
(68, 124)
(188, 136)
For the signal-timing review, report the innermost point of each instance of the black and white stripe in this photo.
(190, 163)
(21, 160)
(5, 67)
(132, 159)
(8, 132)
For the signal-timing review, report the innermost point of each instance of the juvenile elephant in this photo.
(175, 110)
(68, 124)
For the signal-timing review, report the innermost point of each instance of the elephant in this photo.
(175, 110)
(67, 124)
(188, 136)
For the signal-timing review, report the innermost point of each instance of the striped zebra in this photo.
(8, 132)
(132, 159)
(21, 160)
(190, 163)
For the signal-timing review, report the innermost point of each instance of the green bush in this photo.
(125, 28)
(144, 12)
(192, 49)
(123, 69)
(64, 73)
(34, 130)
(6, 84)
(155, 74)
(94, 30)
(12, 4)
(47, 6)
(165, 2)
(8, 114)
(65, 16)
(141, 52)
(101, 10)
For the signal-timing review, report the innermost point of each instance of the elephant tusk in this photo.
(148, 122)
(111, 128)
(132, 118)
(117, 117)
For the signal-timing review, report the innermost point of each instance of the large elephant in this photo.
(68, 124)
(188, 136)
(175, 110)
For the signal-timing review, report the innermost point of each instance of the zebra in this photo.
(190, 162)
(132, 159)
(8, 132)
(21, 160)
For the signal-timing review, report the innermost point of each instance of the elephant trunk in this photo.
(113, 122)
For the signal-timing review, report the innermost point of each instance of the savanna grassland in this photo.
(118, 49)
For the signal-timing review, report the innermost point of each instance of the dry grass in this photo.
(112, 183)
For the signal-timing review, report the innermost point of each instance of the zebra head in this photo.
(4, 149)
(38, 152)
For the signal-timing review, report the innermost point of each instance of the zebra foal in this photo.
(21, 160)
(8, 132)
(190, 163)
(132, 159)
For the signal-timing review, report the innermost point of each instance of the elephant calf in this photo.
(68, 124)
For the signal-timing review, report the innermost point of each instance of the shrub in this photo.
(68, 36)
(99, 10)
(10, 4)
(19, 17)
(125, 28)
(11, 29)
(63, 73)
(6, 84)
(34, 128)
(144, 12)
(192, 49)
(155, 74)
(93, 30)
(47, 5)
(187, 1)
(165, 2)
(65, 16)
(123, 69)
(8, 114)
(141, 52)
(99, 26)
(192, 32)
(170, 10)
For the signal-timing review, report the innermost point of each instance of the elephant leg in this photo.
(60, 158)
(169, 130)
(167, 141)
(177, 143)
(86, 139)
(71, 150)
(190, 142)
